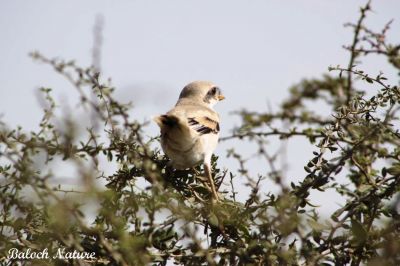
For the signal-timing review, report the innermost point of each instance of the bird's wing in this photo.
(200, 119)
(203, 125)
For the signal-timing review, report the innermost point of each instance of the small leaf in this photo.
(384, 172)
(213, 219)
(369, 80)
(394, 170)
(359, 232)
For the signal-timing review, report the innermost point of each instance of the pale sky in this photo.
(254, 50)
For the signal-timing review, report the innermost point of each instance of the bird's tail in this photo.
(174, 125)
(166, 121)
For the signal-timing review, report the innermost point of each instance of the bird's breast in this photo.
(191, 154)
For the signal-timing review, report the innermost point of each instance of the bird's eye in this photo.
(213, 90)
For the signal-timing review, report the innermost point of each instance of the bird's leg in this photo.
(207, 169)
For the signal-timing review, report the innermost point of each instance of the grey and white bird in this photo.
(190, 131)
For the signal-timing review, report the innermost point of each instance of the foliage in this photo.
(148, 214)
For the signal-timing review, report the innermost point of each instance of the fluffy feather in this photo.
(190, 131)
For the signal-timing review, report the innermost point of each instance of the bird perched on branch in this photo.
(190, 131)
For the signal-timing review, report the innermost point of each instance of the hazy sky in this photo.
(254, 50)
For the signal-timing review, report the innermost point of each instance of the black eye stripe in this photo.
(211, 94)
(214, 90)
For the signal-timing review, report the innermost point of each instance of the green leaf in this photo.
(394, 170)
(213, 219)
(359, 232)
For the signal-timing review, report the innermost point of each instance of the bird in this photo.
(190, 130)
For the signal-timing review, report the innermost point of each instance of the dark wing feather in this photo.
(204, 125)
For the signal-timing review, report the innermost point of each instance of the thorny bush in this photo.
(144, 213)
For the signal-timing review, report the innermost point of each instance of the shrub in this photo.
(144, 213)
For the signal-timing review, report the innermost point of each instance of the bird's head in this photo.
(201, 92)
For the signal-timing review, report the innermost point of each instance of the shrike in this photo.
(190, 131)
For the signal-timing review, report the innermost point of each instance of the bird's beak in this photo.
(221, 97)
